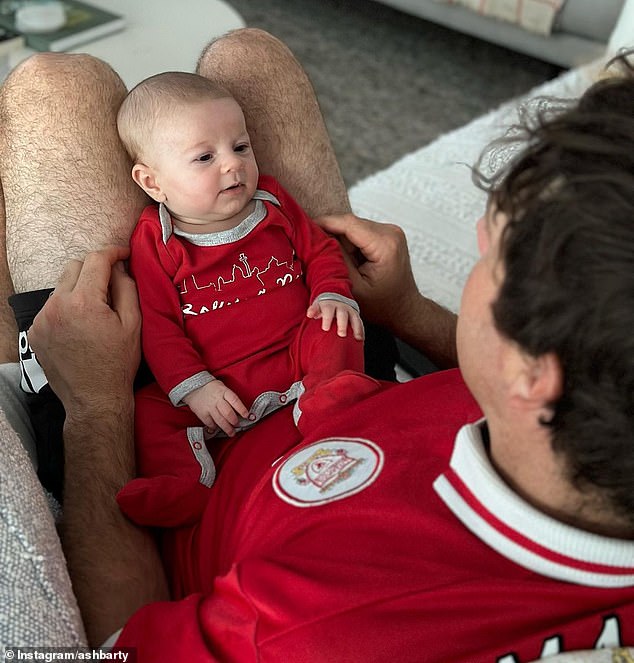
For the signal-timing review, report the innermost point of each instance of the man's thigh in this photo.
(65, 175)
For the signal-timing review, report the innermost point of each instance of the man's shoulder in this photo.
(433, 407)
(443, 395)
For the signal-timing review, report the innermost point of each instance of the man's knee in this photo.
(43, 75)
(242, 46)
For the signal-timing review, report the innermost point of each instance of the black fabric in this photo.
(26, 305)
(413, 361)
(47, 417)
(380, 353)
(45, 409)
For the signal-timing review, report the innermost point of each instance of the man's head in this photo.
(565, 287)
(191, 150)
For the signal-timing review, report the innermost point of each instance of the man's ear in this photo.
(144, 176)
(537, 382)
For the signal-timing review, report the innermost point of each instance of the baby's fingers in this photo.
(236, 404)
(314, 311)
(357, 327)
(225, 418)
(342, 321)
(327, 316)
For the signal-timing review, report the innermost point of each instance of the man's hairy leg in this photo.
(65, 176)
(68, 190)
(285, 123)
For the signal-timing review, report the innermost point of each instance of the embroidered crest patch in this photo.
(328, 470)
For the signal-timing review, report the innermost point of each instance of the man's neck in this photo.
(541, 477)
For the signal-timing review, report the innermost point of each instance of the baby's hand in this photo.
(331, 309)
(217, 406)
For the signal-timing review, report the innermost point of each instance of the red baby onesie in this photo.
(229, 305)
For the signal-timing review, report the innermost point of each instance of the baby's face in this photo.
(204, 165)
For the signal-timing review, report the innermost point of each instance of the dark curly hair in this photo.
(568, 288)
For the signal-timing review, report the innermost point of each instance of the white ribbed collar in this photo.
(486, 505)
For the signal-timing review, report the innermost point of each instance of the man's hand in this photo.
(87, 335)
(384, 286)
(379, 265)
(217, 406)
(343, 314)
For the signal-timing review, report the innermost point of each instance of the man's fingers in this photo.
(123, 295)
(97, 268)
(357, 231)
(69, 277)
(335, 224)
(339, 226)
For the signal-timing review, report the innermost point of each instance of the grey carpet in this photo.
(387, 82)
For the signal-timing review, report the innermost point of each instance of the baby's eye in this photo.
(243, 147)
(205, 157)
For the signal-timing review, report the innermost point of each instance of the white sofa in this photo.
(580, 33)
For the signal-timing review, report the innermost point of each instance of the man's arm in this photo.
(87, 339)
(384, 286)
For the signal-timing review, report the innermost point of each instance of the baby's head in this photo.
(147, 107)
(188, 141)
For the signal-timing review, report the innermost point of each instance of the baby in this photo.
(246, 303)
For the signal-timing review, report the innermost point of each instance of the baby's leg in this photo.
(320, 355)
(174, 466)
(331, 368)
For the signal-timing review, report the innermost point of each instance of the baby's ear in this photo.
(144, 176)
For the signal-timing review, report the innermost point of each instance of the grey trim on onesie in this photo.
(338, 298)
(186, 387)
